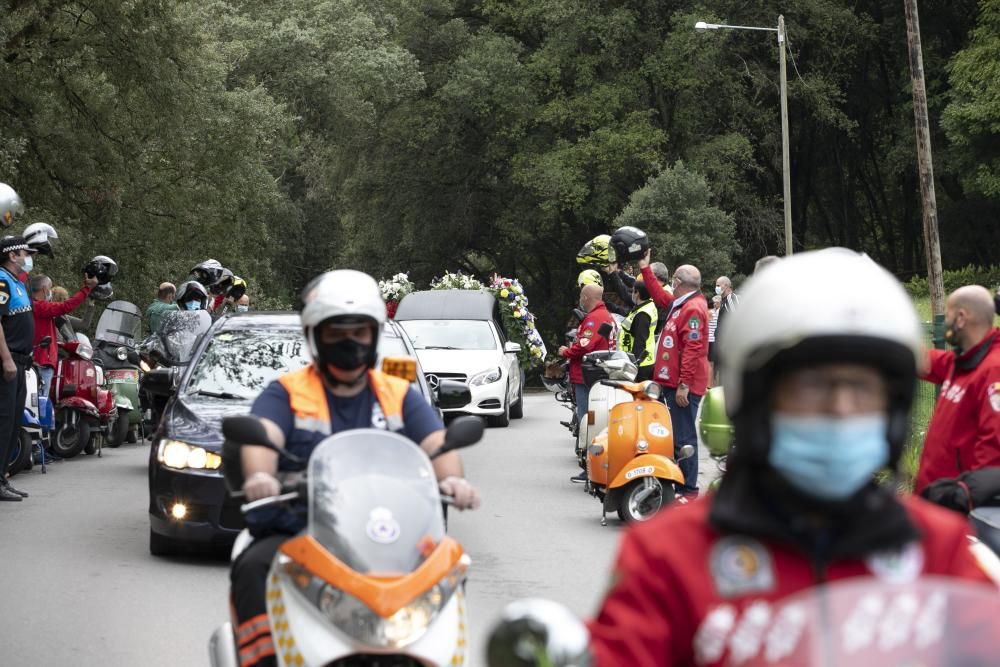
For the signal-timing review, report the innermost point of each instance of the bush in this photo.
(987, 276)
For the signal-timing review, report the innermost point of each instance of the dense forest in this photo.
(285, 138)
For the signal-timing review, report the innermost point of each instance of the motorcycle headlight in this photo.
(144, 366)
(182, 456)
(653, 390)
(486, 377)
(354, 618)
(121, 353)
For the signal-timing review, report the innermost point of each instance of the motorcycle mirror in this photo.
(687, 451)
(246, 429)
(536, 632)
(462, 432)
(452, 394)
(604, 330)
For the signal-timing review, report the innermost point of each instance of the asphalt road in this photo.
(80, 587)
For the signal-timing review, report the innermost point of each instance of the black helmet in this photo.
(629, 244)
(238, 289)
(207, 272)
(223, 282)
(192, 290)
(101, 267)
(102, 292)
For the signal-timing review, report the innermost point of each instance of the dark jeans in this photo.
(12, 395)
(582, 393)
(685, 434)
(248, 591)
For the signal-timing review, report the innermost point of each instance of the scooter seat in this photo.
(986, 522)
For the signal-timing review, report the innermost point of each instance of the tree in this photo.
(675, 209)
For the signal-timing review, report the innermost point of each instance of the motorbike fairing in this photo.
(648, 465)
(81, 404)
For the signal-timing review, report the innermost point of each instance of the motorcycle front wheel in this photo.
(120, 430)
(643, 498)
(72, 435)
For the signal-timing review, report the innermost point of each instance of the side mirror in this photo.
(538, 632)
(248, 430)
(159, 382)
(687, 451)
(511, 348)
(452, 394)
(462, 432)
(45, 342)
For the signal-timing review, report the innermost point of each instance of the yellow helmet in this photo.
(589, 277)
(596, 252)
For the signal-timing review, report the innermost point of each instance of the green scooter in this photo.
(115, 349)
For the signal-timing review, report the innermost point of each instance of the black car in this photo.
(235, 359)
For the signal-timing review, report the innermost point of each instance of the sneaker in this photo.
(8, 495)
(579, 479)
(7, 485)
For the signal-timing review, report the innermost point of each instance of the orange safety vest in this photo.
(307, 397)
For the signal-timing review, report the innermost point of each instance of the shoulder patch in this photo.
(694, 323)
(741, 565)
(694, 335)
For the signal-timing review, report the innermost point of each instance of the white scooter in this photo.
(597, 366)
(373, 579)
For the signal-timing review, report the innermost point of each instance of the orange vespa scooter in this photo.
(630, 464)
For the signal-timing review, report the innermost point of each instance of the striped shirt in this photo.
(713, 323)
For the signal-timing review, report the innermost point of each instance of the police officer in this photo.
(638, 330)
(342, 318)
(819, 384)
(17, 330)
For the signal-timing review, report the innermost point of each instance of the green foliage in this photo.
(987, 276)
(674, 208)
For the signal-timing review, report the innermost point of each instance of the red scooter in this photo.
(84, 411)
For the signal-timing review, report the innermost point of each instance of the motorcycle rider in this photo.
(191, 296)
(819, 384)
(342, 319)
(17, 329)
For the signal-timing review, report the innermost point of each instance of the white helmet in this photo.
(345, 294)
(39, 236)
(10, 205)
(831, 305)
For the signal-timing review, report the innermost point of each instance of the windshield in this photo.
(867, 621)
(119, 324)
(239, 364)
(179, 331)
(450, 334)
(373, 501)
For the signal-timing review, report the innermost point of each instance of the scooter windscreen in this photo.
(119, 324)
(179, 331)
(374, 502)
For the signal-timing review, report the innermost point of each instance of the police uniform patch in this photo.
(740, 565)
(668, 342)
(993, 392)
(693, 323)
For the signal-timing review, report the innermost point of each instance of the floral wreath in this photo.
(393, 290)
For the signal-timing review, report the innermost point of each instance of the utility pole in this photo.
(925, 167)
(785, 168)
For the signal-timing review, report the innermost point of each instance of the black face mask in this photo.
(347, 355)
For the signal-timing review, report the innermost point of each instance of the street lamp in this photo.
(786, 176)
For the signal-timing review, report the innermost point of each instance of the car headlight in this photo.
(486, 377)
(121, 353)
(181, 456)
(354, 618)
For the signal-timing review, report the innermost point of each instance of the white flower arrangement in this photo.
(395, 288)
(456, 280)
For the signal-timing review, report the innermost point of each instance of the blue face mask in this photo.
(192, 305)
(29, 264)
(828, 458)
(242, 309)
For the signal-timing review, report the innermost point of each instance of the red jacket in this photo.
(45, 313)
(964, 432)
(588, 340)
(682, 349)
(681, 589)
